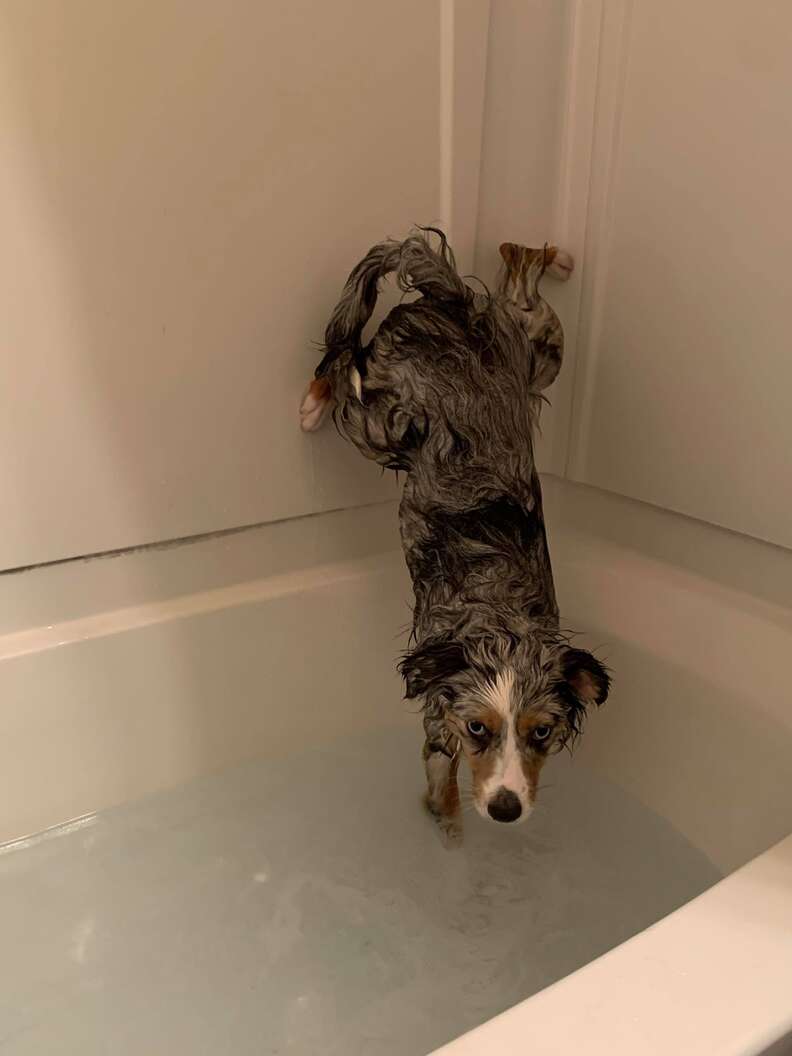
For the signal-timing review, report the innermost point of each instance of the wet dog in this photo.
(448, 391)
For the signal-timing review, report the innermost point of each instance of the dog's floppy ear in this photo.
(584, 681)
(430, 664)
(586, 676)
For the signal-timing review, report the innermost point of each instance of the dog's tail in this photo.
(417, 266)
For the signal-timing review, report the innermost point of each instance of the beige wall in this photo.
(185, 185)
(521, 161)
(653, 140)
(683, 392)
(186, 188)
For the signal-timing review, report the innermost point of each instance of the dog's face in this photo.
(509, 715)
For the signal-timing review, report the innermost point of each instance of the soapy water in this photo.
(306, 905)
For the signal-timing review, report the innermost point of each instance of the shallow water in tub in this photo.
(304, 905)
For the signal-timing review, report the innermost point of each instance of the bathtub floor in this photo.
(305, 906)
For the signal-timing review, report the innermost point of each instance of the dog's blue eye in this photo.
(477, 729)
(541, 733)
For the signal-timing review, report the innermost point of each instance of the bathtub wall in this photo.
(173, 243)
(683, 335)
(521, 158)
(184, 188)
(132, 675)
(654, 140)
(694, 622)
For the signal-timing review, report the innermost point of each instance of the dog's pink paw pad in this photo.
(561, 265)
(315, 405)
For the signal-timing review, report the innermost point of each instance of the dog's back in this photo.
(449, 390)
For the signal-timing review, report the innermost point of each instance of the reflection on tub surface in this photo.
(304, 905)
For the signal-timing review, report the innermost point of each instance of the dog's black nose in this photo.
(504, 806)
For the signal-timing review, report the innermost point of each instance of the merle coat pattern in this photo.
(449, 391)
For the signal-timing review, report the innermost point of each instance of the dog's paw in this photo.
(315, 405)
(559, 263)
(451, 834)
(448, 826)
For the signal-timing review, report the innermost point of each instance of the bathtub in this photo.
(699, 727)
(123, 677)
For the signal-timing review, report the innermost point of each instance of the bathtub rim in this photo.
(719, 1002)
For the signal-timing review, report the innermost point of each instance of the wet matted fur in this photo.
(448, 390)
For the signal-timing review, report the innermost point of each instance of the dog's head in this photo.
(508, 709)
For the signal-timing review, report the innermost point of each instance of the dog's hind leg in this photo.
(522, 271)
(318, 400)
(442, 791)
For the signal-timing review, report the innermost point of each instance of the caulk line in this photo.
(185, 540)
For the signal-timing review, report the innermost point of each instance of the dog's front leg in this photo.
(442, 791)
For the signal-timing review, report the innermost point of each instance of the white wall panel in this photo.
(522, 160)
(685, 341)
(185, 185)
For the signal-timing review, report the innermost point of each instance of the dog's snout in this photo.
(504, 806)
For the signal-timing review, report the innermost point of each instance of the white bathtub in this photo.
(125, 676)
